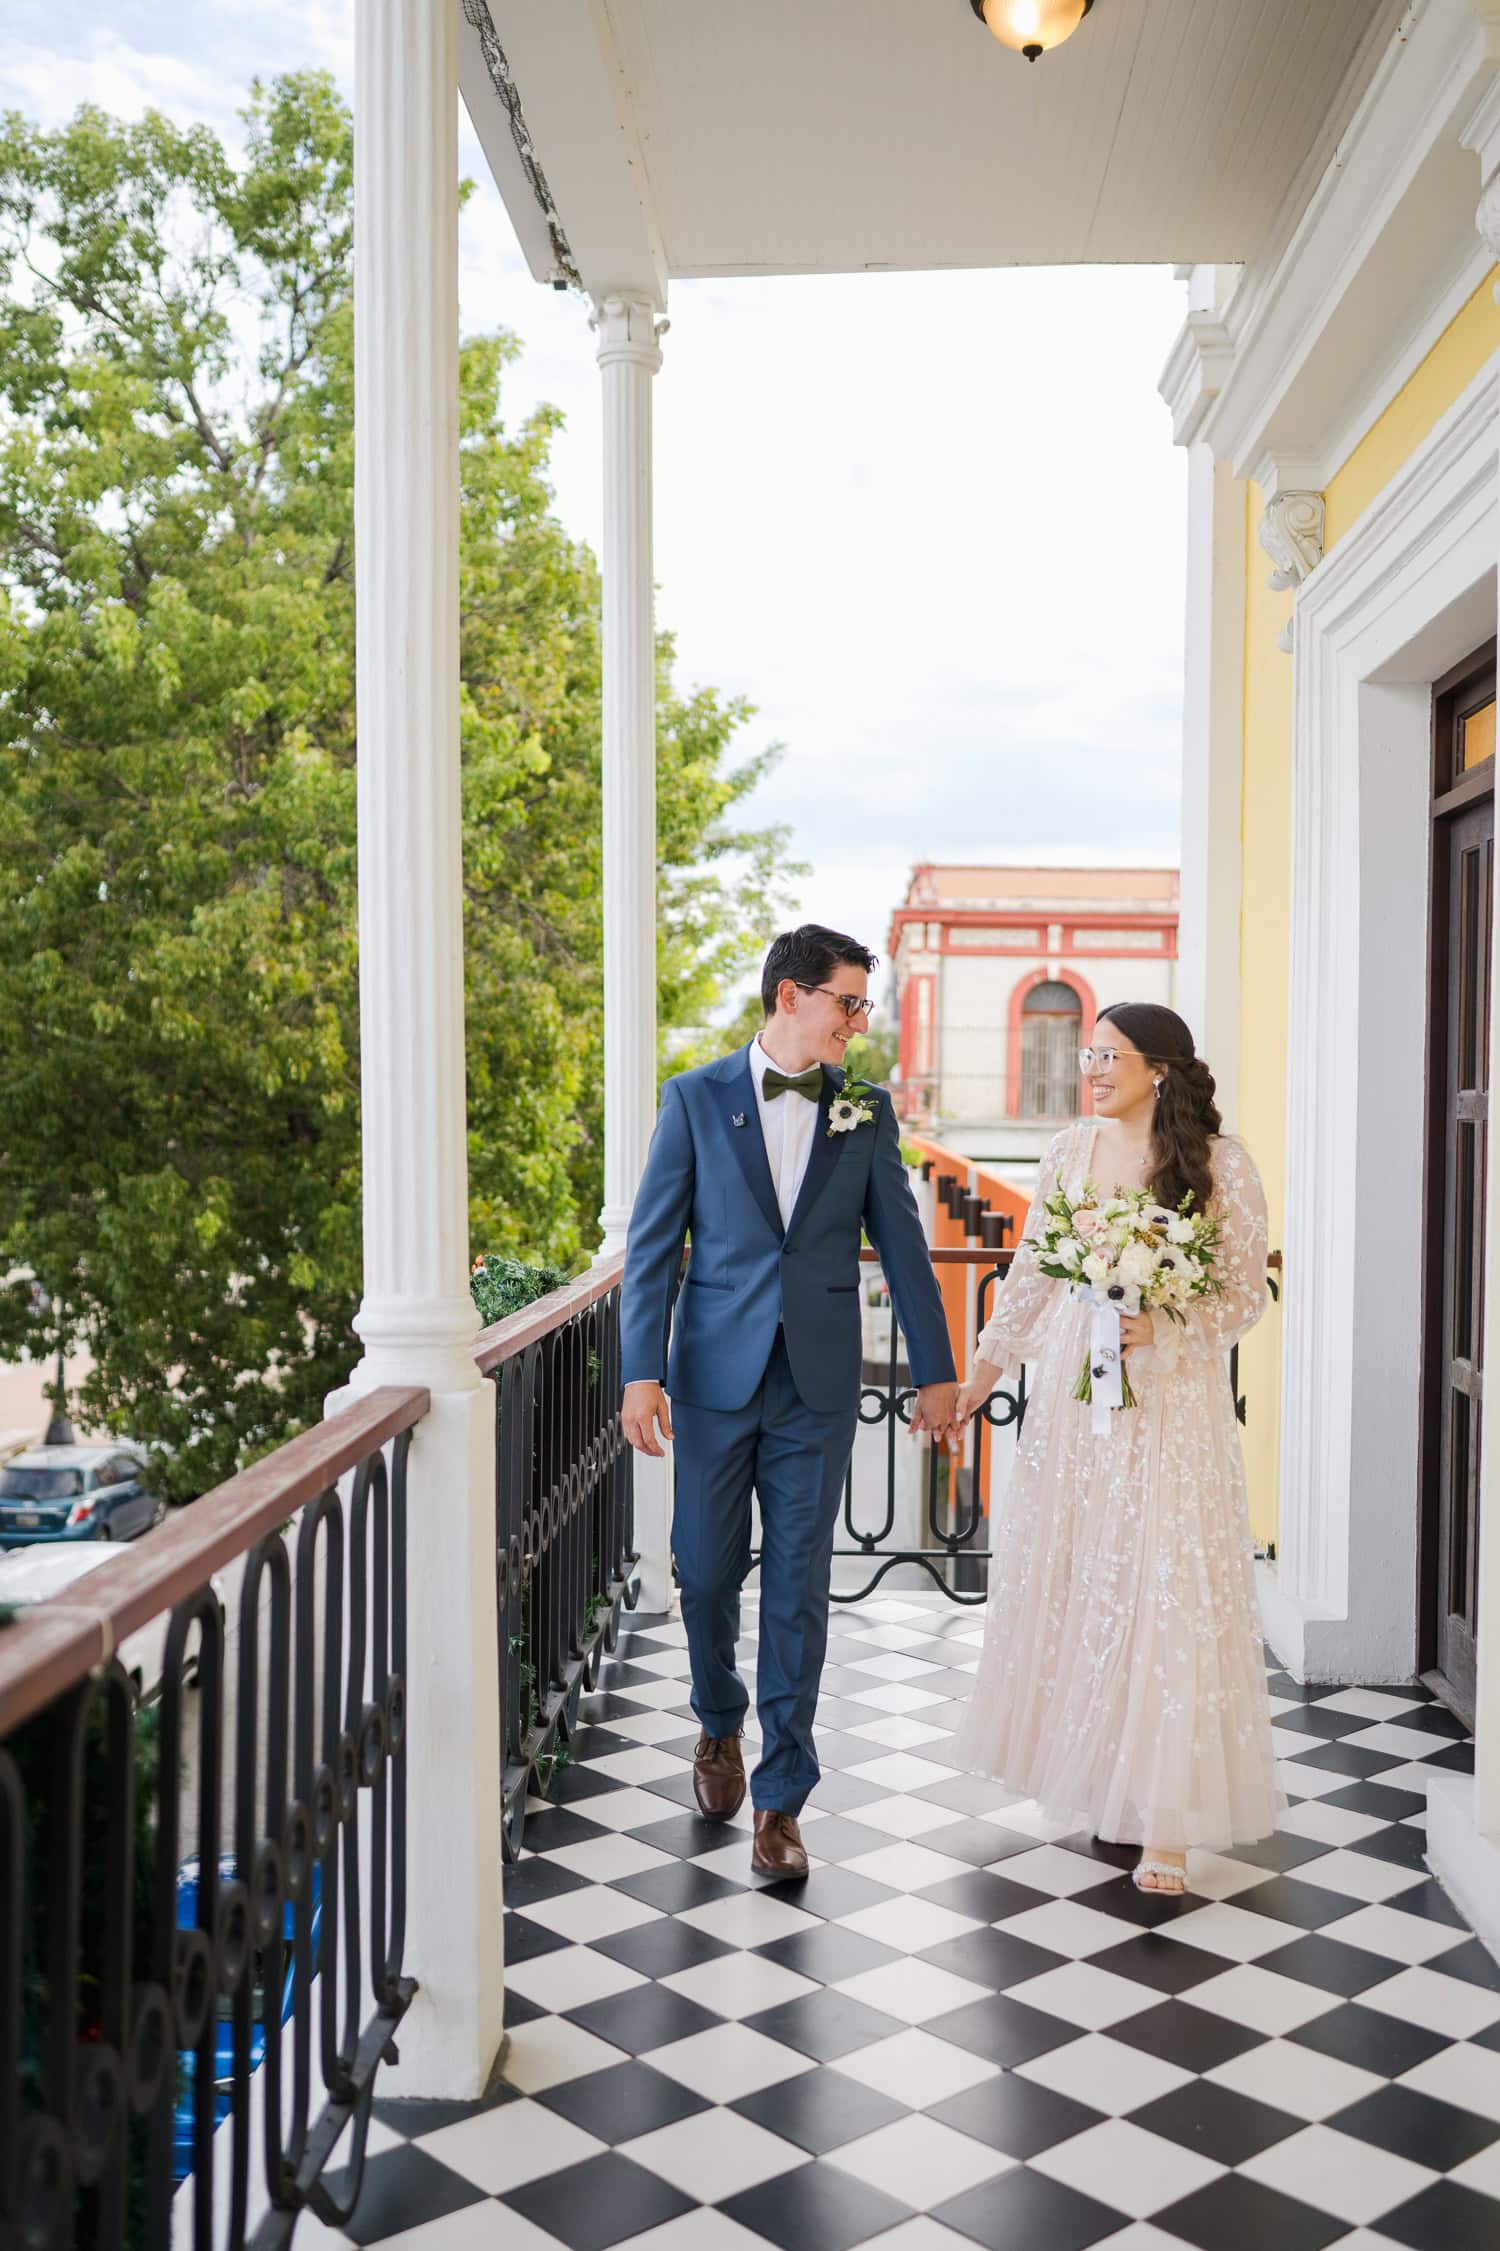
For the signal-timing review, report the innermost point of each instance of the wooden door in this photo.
(1453, 1373)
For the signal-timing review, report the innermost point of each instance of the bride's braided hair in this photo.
(1186, 1116)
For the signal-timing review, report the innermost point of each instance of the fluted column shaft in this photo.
(417, 1319)
(629, 356)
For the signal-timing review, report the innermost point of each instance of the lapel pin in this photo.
(738, 1118)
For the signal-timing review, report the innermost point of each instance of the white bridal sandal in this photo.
(1176, 1878)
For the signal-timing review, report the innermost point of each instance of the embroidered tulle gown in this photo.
(1122, 1680)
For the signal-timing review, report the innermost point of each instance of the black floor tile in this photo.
(1216, 2122)
(1343, 1758)
(1148, 1910)
(677, 1888)
(820, 2110)
(842, 1837)
(604, 1705)
(1233, 2214)
(598, 2203)
(1436, 1719)
(986, 1894)
(626, 2100)
(967, 1793)
(413, 2116)
(1370, 2039)
(687, 1836)
(1401, 1846)
(1300, 1691)
(815, 2208)
(828, 1953)
(981, 1843)
(659, 1949)
(553, 1828)
(574, 1785)
(1016, 2115)
(1456, 1758)
(1318, 1719)
(402, 2188)
(1310, 1906)
(1429, 1900)
(535, 1878)
(1122, 1858)
(674, 1789)
(833, 1892)
(838, 1792)
(1379, 1800)
(518, 2010)
(1161, 1963)
(1281, 1850)
(1444, 2217)
(1489, 2039)
(996, 1958)
(826, 2025)
(648, 2016)
(1025, 2211)
(525, 1940)
(1002, 2030)
(1194, 2039)
(1473, 1962)
(1435, 2134)
(1324, 1961)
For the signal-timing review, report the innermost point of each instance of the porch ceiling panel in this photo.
(720, 137)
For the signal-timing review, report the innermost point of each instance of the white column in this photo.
(417, 1321)
(1213, 769)
(629, 355)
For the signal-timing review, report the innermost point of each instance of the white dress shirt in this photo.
(787, 1126)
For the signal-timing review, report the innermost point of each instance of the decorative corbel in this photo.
(1291, 532)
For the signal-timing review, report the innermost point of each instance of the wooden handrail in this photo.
(502, 1340)
(54, 1644)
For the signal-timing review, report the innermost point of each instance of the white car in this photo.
(43, 1574)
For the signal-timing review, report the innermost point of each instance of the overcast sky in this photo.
(932, 525)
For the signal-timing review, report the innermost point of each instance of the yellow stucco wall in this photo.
(1462, 350)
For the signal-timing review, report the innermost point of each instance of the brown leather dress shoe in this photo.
(778, 1849)
(718, 1777)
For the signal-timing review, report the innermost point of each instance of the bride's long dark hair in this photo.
(1185, 1117)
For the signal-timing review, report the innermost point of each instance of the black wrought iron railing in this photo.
(203, 1895)
(564, 1521)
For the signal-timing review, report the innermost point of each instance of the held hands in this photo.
(642, 1409)
(932, 1412)
(982, 1379)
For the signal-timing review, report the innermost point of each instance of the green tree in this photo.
(179, 1133)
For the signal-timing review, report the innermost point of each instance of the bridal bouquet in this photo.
(1125, 1254)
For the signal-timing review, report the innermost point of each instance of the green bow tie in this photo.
(808, 1082)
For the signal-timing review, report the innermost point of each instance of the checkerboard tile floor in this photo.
(965, 2028)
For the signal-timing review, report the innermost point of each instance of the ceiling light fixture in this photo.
(1031, 26)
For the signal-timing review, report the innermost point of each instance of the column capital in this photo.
(628, 328)
(1291, 532)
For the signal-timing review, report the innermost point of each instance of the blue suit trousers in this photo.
(795, 1459)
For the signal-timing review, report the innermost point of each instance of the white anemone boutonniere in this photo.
(853, 1105)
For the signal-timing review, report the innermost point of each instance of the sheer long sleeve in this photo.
(1026, 1300)
(1213, 1324)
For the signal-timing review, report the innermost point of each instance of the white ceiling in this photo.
(698, 137)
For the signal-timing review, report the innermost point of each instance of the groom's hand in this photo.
(934, 1410)
(643, 1407)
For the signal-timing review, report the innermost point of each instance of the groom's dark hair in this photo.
(808, 956)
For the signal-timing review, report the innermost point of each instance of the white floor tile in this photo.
(643, 1764)
(751, 1919)
(1464, 2075)
(1234, 1932)
(1359, 1876)
(1262, 1999)
(472, 2229)
(714, 2155)
(906, 1867)
(501, 2149)
(912, 2067)
(1481, 2173)
(594, 1912)
(920, 2161)
(739, 1985)
(1142, 2236)
(899, 1697)
(901, 1770)
(905, 1817)
(604, 1860)
(1449, 2005)
(703, 2230)
(1025, 1818)
(910, 1925)
(727, 2062)
(919, 2235)
(549, 2050)
(1301, 1781)
(1336, 2173)
(1296, 2079)
(1214, 1875)
(651, 1727)
(1083, 1995)
(1370, 1703)
(911, 1990)
(1050, 1869)
(1326, 1824)
(1406, 1938)
(1065, 1926)
(892, 1666)
(626, 1809)
(1105, 2074)
(569, 1978)
(1122, 2165)
(1397, 1742)
(898, 1733)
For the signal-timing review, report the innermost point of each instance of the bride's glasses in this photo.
(1099, 1058)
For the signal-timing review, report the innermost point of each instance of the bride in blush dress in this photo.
(1122, 1682)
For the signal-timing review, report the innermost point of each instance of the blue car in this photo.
(75, 1493)
(187, 1917)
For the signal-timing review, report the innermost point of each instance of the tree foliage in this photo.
(179, 1066)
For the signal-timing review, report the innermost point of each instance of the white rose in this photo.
(1070, 1252)
(1137, 1264)
(1095, 1268)
(1179, 1230)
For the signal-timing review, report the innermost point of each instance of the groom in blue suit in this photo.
(772, 1177)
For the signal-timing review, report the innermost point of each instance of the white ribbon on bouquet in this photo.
(1106, 1353)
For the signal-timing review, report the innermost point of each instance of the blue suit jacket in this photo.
(709, 1177)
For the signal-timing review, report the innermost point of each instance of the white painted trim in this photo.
(1464, 1858)
(1208, 939)
(1407, 592)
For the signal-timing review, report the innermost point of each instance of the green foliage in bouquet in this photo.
(501, 1286)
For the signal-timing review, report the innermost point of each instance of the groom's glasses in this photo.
(850, 1003)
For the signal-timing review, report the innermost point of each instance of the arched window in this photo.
(1051, 1022)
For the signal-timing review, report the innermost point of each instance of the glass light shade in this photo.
(1032, 26)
